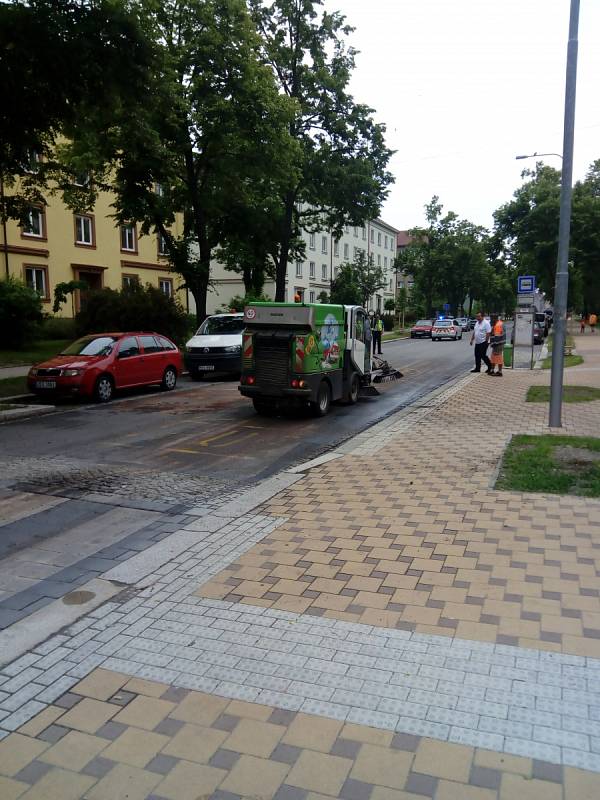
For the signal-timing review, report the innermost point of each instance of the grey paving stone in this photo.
(346, 748)
(285, 753)
(355, 790)
(405, 741)
(485, 777)
(286, 792)
(547, 772)
(225, 722)
(169, 727)
(53, 733)
(421, 784)
(98, 767)
(111, 730)
(161, 764)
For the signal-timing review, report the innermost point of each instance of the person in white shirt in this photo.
(481, 336)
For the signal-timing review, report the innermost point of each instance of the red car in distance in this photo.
(421, 329)
(99, 364)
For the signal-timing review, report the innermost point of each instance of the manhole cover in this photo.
(78, 598)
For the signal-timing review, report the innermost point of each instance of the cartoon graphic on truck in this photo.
(295, 355)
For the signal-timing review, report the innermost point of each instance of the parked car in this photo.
(421, 329)
(542, 321)
(216, 346)
(464, 323)
(446, 329)
(538, 332)
(101, 363)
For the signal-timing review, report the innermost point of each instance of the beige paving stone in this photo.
(203, 709)
(135, 747)
(41, 721)
(315, 733)
(74, 750)
(385, 793)
(254, 738)
(124, 782)
(17, 751)
(517, 786)
(449, 790)
(319, 772)
(145, 712)
(581, 785)
(101, 684)
(382, 766)
(58, 784)
(89, 715)
(190, 781)
(195, 743)
(10, 789)
(443, 760)
(253, 776)
(148, 688)
(361, 733)
(240, 708)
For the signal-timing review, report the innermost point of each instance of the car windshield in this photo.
(215, 325)
(443, 323)
(90, 346)
(421, 322)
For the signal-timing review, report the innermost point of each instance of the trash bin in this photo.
(508, 355)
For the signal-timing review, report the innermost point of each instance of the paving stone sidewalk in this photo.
(387, 627)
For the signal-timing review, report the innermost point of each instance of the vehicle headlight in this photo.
(33, 371)
(234, 348)
(71, 373)
(188, 349)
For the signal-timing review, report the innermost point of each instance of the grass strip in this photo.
(551, 464)
(12, 386)
(38, 351)
(571, 394)
(570, 361)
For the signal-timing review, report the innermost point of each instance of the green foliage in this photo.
(357, 281)
(389, 304)
(239, 303)
(58, 328)
(388, 322)
(323, 297)
(63, 290)
(20, 313)
(548, 463)
(342, 157)
(133, 308)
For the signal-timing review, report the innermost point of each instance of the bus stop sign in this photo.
(525, 284)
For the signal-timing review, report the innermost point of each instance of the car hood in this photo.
(421, 327)
(215, 340)
(69, 362)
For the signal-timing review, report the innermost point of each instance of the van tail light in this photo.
(295, 383)
(248, 379)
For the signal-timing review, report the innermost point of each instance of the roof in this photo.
(386, 225)
(403, 238)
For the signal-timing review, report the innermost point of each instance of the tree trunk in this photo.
(470, 314)
(286, 237)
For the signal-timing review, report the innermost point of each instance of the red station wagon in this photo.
(98, 364)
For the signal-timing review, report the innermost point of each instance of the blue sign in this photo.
(525, 284)
(446, 306)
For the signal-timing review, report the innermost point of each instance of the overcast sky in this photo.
(465, 85)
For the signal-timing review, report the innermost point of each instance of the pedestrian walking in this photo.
(377, 334)
(497, 340)
(481, 336)
(582, 324)
(593, 319)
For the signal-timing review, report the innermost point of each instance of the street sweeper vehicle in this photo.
(308, 354)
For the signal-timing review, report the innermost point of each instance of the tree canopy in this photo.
(357, 281)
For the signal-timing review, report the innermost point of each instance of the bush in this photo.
(58, 328)
(133, 308)
(388, 322)
(20, 313)
(238, 303)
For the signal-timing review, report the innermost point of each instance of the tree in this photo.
(342, 164)
(357, 281)
(20, 313)
(212, 144)
(345, 289)
(63, 290)
(584, 281)
(61, 61)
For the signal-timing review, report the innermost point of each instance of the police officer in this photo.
(377, 333)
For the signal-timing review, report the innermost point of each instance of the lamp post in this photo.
(535, 155)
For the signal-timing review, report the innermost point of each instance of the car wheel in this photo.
(321, 407)
(169, 380)
(263, 407)
(353, 390)
(104, 389)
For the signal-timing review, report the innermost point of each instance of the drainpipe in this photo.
(4, 227)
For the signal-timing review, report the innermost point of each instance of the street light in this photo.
(535, 155)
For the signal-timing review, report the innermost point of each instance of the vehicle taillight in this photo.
(249, 379)
(295, 383)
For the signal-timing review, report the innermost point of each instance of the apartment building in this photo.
(403, 280)
(324, 255)
(57, 246)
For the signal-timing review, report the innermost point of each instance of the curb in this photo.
(24, 412)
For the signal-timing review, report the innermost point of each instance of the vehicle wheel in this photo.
(263, 407)
(352, 396)
(169, 380)
(321, 407)
(104, 389)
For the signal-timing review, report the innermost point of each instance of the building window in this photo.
(37, 279)
(336, 249)
(158, 189)
(347, 229)
(162, 245)
(391, 285)
(401, 284)
(128, 238)
(312, 269)
(323, 244)
(311, 297)
(324, 272)
(378, 259)
(379, 304)
(364, 233)
(81, 178)
(385, 242)
(128, 281)
(379, 238)
(311, 241)
(346, 251)
(84, 230)
(372, 236)
(33, 162)
(166, 286)
(35, 225)
(385, 261)
(298, 269)
(356, 231)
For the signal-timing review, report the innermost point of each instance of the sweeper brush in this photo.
(382, 373)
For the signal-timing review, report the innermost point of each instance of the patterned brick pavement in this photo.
(413, 537)
(112, 737)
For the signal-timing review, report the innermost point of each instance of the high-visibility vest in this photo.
(379, 325)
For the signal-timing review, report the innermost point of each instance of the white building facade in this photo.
(323, 258)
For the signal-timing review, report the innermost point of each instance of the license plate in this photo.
(206, 367)
(45, 384)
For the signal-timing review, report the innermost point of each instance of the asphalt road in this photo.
(208, 430)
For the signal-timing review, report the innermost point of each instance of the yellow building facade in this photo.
(58, 246)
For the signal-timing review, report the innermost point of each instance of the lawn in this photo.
(38, 351)
(395, 334)
(552, 464)
(570, 361)
(12, 386)
(571, 394)
(7, 407)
